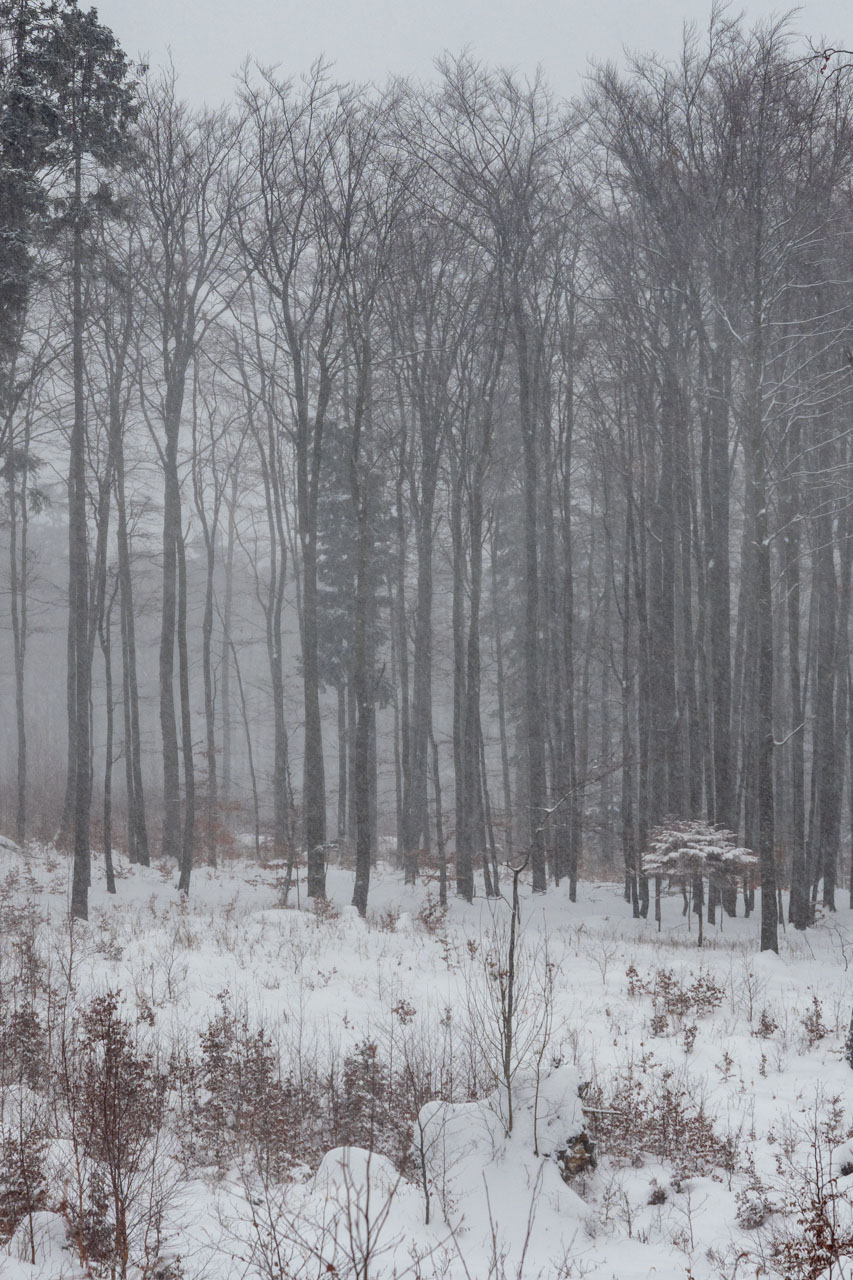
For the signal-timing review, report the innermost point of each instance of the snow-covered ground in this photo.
(712, 1084)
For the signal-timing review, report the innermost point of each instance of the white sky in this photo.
(370, 39)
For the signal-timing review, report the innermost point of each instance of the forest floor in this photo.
(264, 1091)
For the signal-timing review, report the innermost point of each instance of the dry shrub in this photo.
(813, 1024)
(23, 1179)
(675, 996)
(767, 1026)
(242, 1102)
(238, 1102)
(823, 1235)
(324, 910)
(432, 916)
(23, 1047)
(645, 1110)
(116, 1096)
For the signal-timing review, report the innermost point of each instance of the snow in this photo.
(324, 982)
(46, 1238)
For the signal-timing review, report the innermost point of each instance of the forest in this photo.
(441, 474)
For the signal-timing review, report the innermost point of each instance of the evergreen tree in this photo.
(93, 104)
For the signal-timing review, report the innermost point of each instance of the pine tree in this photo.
(92, 98)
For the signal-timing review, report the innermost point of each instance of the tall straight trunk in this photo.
(833, 776)
(718, 577)
(461, 770)
(639, 579)
(580, 751)
(64, 836)
(212, 797)
(253, 778)
(137, 826)
(415, 810)
(666, 792)
(534, 729)
(18, 601)
(501, 698)
(849, 676)
(314, 773)
(225, 656)
(474, 780)
(760, 661)
(309, 450)
(208, 507)
(439, 824)
(171, 834)
(105, 635)
(766, 812)
(605, 750)
(798, 905)
(823, 741)
(629, 834)
(743, 696)
(281, 805)
(209, 525)
(557, 836)
(398, 755)
(690, 738)
(271, 597)
(188, 835)
(362, 674)
(566, 613)
(352, 716)
(373, 773)
(400, 641)
(493, 879)
(343, 773)
(79, 577)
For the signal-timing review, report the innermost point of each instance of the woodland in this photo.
(439, 473)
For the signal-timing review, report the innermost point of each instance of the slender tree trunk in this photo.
(225, 659)
(212, 797)
(629, 836)
(439, 825)
(761, 604)
(105, 633)
(249, 753)
(401, 655)
(137, 826)
(343, 774)
(501, 699)
(415, 809)
(79, 578)
(364, 699)
(798, 905)
(534, 729)
(314, 777)
(18, 580)
(171, 835)
(461, 770)
(188, 838)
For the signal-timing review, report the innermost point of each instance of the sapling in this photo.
(510, 1013)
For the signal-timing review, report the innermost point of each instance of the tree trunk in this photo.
(137, 826)
(79, 579)
(188, 838)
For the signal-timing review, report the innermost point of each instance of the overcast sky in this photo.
(370, 39)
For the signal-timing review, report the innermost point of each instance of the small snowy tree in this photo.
(695, 851)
